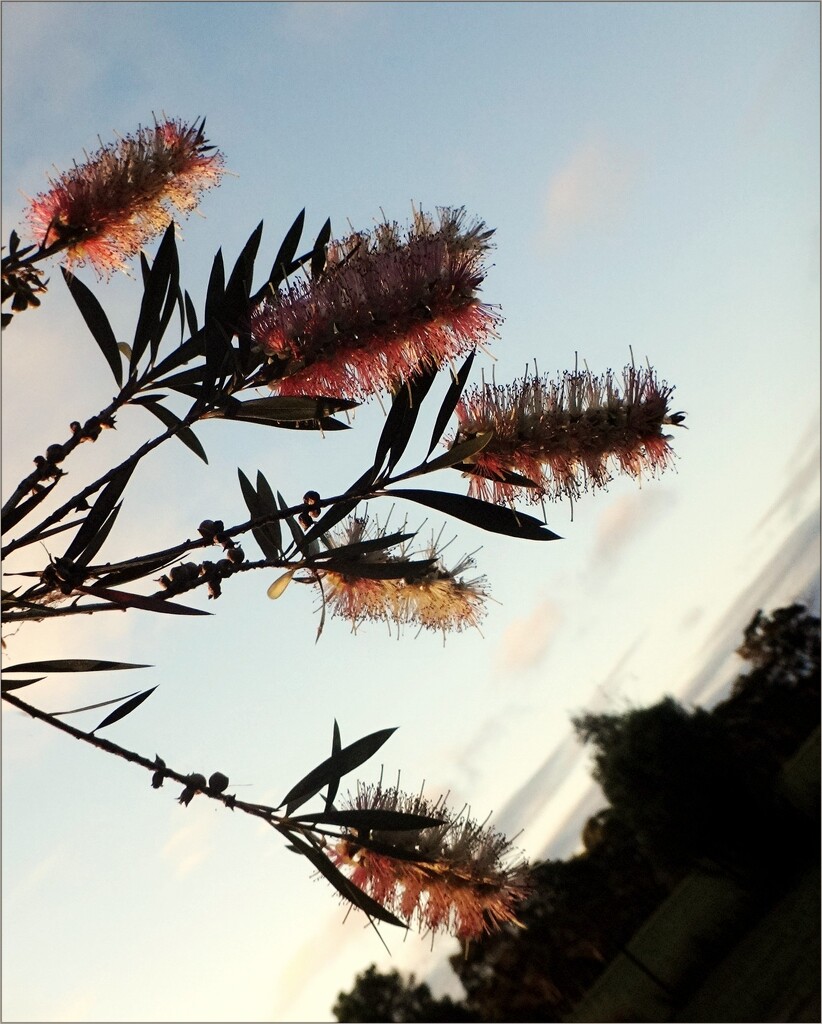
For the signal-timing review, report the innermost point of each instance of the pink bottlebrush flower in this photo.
(566, 436)
(457, 877)
(106, 209)
(403, 588)
(387, 308)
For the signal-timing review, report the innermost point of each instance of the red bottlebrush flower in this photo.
(386, 308)
(457, 877)
(399, 588)
(106, 209)
(566, 436)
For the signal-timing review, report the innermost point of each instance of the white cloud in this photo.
(526, 639)
(590, 190)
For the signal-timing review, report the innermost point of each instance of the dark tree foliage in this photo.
(692, 784)
(579, 915)
(684, 786)
(775, 706)
(390, 998)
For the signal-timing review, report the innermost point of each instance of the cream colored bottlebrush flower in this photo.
(388, 307)
(568, 435)
(106, 209)
(405, 589)
(460, 877)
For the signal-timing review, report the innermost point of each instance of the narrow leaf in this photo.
(318, 254)
(460, 451)
(124, 709)
(74, 665)
(191, 314)
(268, 502)
(286, 252)
(148, 604)
(91, 707)
(97, 322)
(344, 886)
(449, 403)
(373, 819)
(269, 539)
(336, 747)
(494, 518)
(156, 288)
(99, 513)
(296, 533)
(185, 434)
(334, 767)
(16, 684)
(94, 545)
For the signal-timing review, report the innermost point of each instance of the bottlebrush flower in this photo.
(386, 308)
(459, 877)
(106, 209)
(402, 588)
(566, 436)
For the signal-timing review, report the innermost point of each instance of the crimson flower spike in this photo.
(460, 877)
(554, 439)
(105, 210)
(388, 307)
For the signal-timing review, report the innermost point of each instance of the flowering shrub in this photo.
(375, 312)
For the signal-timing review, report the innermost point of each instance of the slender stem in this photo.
(258, 810)
(76, 502)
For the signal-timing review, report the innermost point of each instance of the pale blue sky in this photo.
(652, 172)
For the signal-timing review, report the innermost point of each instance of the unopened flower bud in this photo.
(217, 782)
(235, 555)
(55, 453)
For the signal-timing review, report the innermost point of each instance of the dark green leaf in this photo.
(91, 707)
(71, 665)
(149, 604)
(20, 682)
(216, 286)
(282, 408)
(336, 747)
(13, 516)
(373, 819)
(494, 518)
(185, 434)
(296, 533)
(191, 314)
(269, 504)
(333, 768)
(449, 403)
(124, 709)
(362, 547)
(504, 476)
(156, 288)
(397, 570)
(401, 418)
(97, 322)
(344, 886)
(134, 569)
(99, 539)
(462, 450)
(269, 540)
(318, 253)
(184, 380)
(99, 513)
(285, 255)
(326, 424)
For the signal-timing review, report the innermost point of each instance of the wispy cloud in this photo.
(624, 518)
(189, 845)
(590, 190)
(525, 641)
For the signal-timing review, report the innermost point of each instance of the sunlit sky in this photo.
(652, 171)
